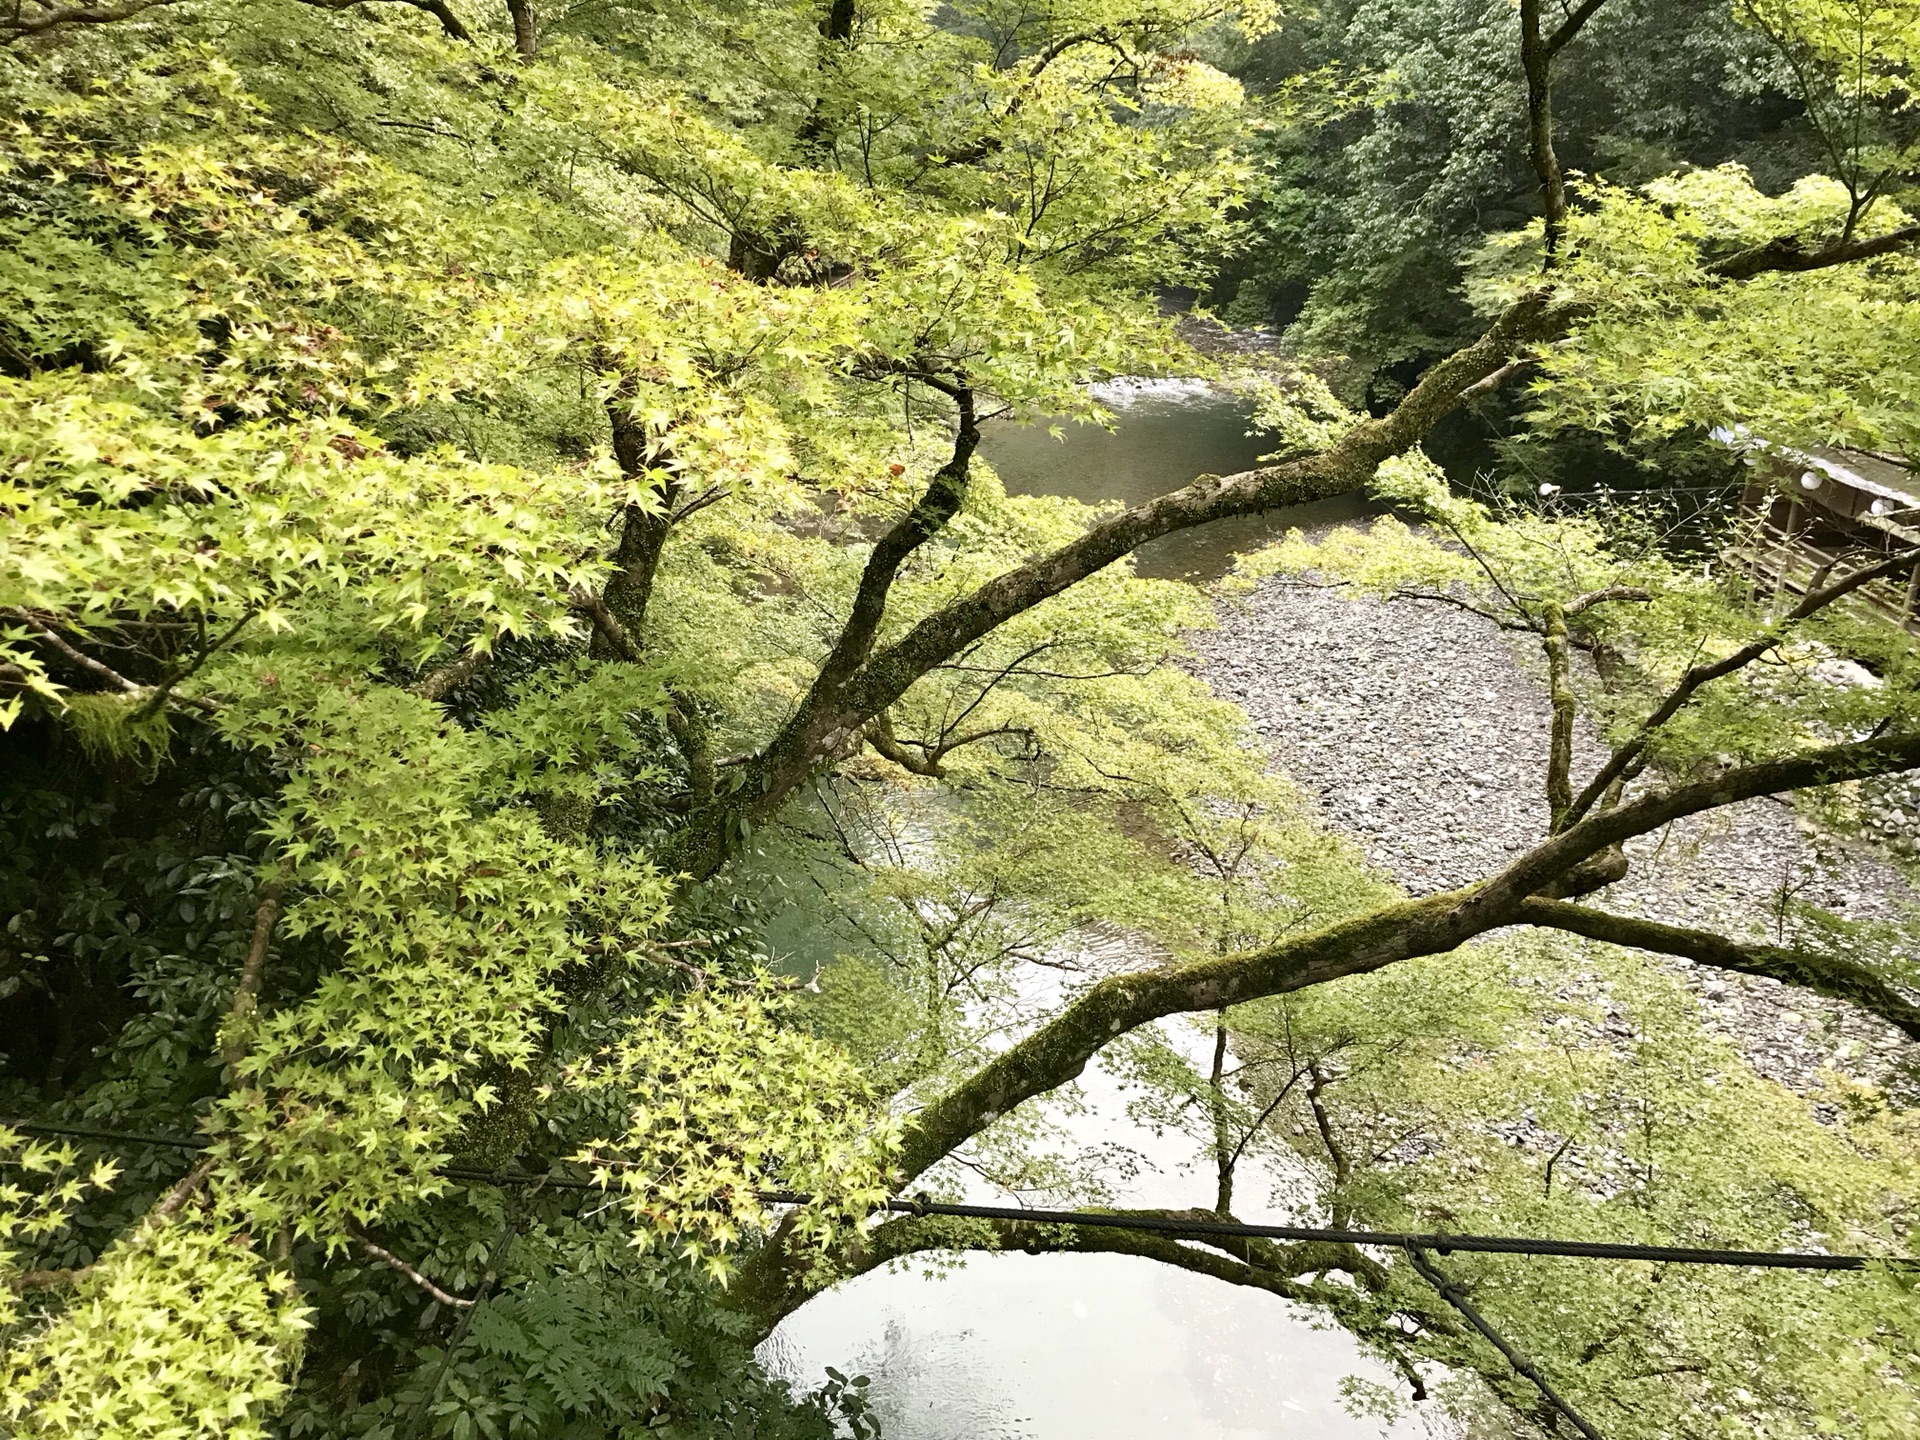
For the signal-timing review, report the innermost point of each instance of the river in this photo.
(1099, 1347)
(1167, 432)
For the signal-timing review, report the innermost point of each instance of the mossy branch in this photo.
(1825, 974)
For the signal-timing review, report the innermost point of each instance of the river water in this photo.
(1166, 433)
(1103, 1347)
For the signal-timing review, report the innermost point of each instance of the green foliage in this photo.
(1397, 146)
(1850, 61)
(332, 346)
(1550, 1088)
(28, 1217)
(724, 1100)
(345, 369)
(180, 1331)
(566, 1356)
(1824, 363)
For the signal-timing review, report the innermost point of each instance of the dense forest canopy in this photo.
(511, 660)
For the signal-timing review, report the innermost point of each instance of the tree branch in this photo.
(1580, 604)
(1560, 743)
(1337, 1157)
(1346, 465)
(1498, 378)
(1554, 640)
(439, 683)
(78, 657)
(941, 502)
(771, 1290)
(449, 22)
(184, 1190)
(393, 1261)
(880, 736)
(1224, 1158)
(246, 995)
(20, 27)
(1537, 54)
(684, 722)
(1438, 597)
(1059, 1050)
(607, 624)
(1828, 765)
(1572, 26)
(1830, 975)
(823, 723)
(106, 672)
(643, 530)
(1789, 254)
(1814, 601)
(164, 691)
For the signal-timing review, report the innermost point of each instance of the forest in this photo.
(560, 799)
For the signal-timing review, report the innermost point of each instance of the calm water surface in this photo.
(1167, 433)
(1090, 1347)
(1103, 1347)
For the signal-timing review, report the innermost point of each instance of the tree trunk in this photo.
(1536, 57)
(526, 33)
(754, 257)
(643, 535)
(643, 532)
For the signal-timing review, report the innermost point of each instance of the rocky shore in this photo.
(1422, 731)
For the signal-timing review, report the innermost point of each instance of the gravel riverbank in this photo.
(1422, 731)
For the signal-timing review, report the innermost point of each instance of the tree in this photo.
(1401, 143)
(474, 509)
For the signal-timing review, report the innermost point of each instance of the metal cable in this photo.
(1457, 1298)
(1397, 1239)
(1443, 1244)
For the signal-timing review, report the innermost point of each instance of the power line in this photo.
(1400, 1239)
(1438, 1242)
(1457, 1298)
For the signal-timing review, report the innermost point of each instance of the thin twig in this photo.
(713, 495)
(164, 691)
(1440, 598)
(395, 1262)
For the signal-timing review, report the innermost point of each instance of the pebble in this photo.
(1422, 730)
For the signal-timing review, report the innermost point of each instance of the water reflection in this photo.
(1092, 1347)
(1167, 433)
(1105, 1347)
(1077, 1347)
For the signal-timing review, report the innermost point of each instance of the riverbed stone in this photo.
(1421, 730)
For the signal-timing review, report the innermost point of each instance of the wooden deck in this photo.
(1812, 511)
